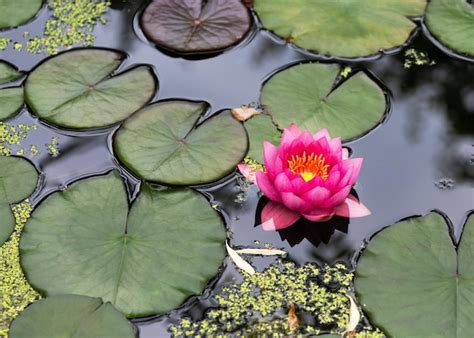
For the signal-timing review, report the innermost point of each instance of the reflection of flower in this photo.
(310, 176)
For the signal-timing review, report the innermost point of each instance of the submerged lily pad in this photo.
(161, 143)
(260, 128)
(11, 102)
(76, 90)
(17, 12)
(345, 28)
(413, 282)
(71, 316)
(195, 26)
(145, 261)
(304, 94)
(451, 22)
(18, 179)
(8, 73)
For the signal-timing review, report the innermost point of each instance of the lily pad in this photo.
(162, 144)
(304, 94)
(17, 12)
(195, 26)
(451, 22)
(414, 283)
(8, 73)
(260, 128)
(18, 179)
(345, 28)
(11, 102)
(145, 261)
(71, 316)
(76, 89)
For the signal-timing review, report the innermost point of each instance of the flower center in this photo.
(309, 166)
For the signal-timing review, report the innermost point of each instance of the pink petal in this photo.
(266, 186)
(322, 133)
(290, 134)
(282, 183)
(316, 196)
(338, 198)
(299, 185)
(356, 165)
(295, 203)
(352, 207)
(319, 215)
(333, 179)
(306, 138)
(345, 153)
(335, 144)
(270, 153)
(247, 172)
(276, 216)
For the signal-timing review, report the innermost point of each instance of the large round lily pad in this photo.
(344, 28)
(304, 94)
(413, 283)
(452, 23)
(18, 179)
(75, 89)
(71, 316)
(11, 102)
(195, 26)
(260, 128)
(161, 143)
(16, 12)
(145, 261)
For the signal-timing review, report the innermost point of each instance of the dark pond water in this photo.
(420, 159)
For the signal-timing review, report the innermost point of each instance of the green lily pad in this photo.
(195, 26)
(8, 72)
(451, 22)
(414, 283)
(18, 179)
(17, 12)
(260, 128)
(304, 94)
(346, 28)
(71, 316)
(162, 144)
(145, 261)
(11, 102)
(76, 89)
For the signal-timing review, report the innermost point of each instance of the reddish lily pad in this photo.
(195, 25)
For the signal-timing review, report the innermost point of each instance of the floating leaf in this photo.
(412, 281)
(71, 316)
(304, 94)
(263, 252)
(195, 26)
(11, 101)
(354, 317)
(244, 113)
(75, 89)
(239, 261)
(293, 320)
(145, 261)
(451, 22)
(346, 28)
(17, 12)
(260, 128)
(18, 179)
(8, 73)
(161, 143)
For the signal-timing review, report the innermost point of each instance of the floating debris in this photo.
(445, 183)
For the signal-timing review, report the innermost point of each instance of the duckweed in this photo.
(15, 292)
(52, 147)
(13, 135)
(416, 58)
(259, 305)
(4, 42)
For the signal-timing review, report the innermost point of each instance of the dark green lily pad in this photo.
(75, 89)
(304, 94)
(11, 102)
(260, 128)
(451, 22)
(71, 316)
(17, 12)
(195, 26)
(18, 179)
(414, 283)
(8, 72)
(161, 144)
(145, 261)
(346, 28)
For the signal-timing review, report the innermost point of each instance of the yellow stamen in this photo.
(308, 167)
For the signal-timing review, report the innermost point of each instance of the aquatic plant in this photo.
(308, 176)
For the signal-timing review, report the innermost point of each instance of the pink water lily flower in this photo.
(308, 176)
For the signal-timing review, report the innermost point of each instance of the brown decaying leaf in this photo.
(293, 320)
(244, 113)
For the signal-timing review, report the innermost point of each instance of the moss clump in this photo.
(15, 292)
(72, 23)
(12, 136)
(259, 305)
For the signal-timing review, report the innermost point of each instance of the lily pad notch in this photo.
(80, 88)
(11, 98)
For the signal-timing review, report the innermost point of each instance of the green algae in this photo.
(15, 292)
(416, 58)
(4, 42)
(259, 305)
(11, 136)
